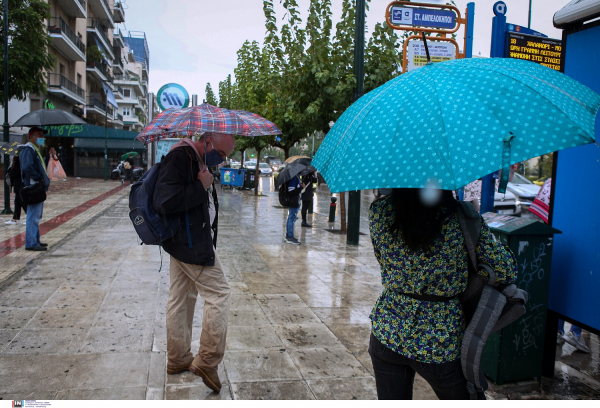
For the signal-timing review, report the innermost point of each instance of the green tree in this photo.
(225, 90)
(211, 98)
(28, 55)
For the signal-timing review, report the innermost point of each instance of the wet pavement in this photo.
(86, 320)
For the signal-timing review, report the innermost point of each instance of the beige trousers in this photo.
(186, 282)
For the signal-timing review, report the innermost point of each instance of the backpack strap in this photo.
(470, 224)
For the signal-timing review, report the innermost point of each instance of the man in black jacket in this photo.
(185, 188)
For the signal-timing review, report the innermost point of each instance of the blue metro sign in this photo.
(419, 17)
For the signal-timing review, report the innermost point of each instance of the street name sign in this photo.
(421, 17)
(543, 51)
(172, 96)
(438, 51)
(523, 30)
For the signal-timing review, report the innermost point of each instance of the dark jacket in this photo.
(179, 192)
(308, 181)
(32, 167)
(15, 175)
(294, 190)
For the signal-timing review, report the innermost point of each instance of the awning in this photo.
(89, 131)
(114, 145)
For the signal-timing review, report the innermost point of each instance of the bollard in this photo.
(332, 209)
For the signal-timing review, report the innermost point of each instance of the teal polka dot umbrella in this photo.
(450, 123)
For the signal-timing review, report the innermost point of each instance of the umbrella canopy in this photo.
(8, 147)
(206, 118)
(294, 158)
(450, 123)
(126, 155)
(292, 169)
(48, 117)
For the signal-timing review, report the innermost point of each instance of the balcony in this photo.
(130, 80)
(119, 14)
(65, 40)
(101, 9)
(96, 27)
(73, 8)
(95, 106)
(62, 87)
(118, 39)
(118, 91)
(97, 70)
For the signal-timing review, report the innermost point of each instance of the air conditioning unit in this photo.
(577, 11)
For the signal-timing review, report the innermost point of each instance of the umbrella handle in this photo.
(426, 46)
(505, 162)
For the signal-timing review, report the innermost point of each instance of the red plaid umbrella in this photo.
(206, 118)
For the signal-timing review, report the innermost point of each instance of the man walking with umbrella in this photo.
(33, 171)
(185, 189)
(294, 189)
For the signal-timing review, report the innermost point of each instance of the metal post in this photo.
(470, 29)
(106, 140)
(529, 21)
(6, 126)
(359, 73)
(497, 50)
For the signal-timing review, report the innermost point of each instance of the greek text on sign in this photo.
(439, 52)
(423, 17)
(543, 51)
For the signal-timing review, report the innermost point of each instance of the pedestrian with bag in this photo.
(294, 187)
(35, 185)
(418, 322)
(55, 169)
(307, 196)
(185, 190)
(128, 167)
(17, 185)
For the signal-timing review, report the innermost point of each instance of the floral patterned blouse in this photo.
(429, 332)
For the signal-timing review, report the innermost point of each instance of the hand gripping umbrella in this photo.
(206, 118)
(293, 169)
(450, 123)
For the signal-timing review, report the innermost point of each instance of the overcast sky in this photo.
(193, 42)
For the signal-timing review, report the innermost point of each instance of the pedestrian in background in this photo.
(128, 166)
(33, 171)
(185, 189)
(307, 196)
(294, 186)
(417, 324)
(16, 185)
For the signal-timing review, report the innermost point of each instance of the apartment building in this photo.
(93, 57)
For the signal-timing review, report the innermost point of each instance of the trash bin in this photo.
(249, 180)
(516, 352)
(232, 177)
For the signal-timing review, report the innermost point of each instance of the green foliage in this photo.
(93, 54)
(303, 77)
(211, 99)
(28, 55)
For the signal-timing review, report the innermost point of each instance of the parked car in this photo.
(234, 165)
(524, 190)
(250, 164)
(265, 169)
(507, 204)
(274, 162)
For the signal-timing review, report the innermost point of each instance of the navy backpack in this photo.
(152, 227)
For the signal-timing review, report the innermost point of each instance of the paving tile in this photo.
(117, 340)
(92, 371)
(189, 379)
(291, 316)
(239, 302)
(54, 318)
(353, 336)
(157, 394)
(272, 390)
(16, 317)
(343, 315)
(125, 315)
(327, 363)
(252, 338)
(281, 300)
(69, 297)
(303, 336)
(247, 317)
(6, 335)
(115, 393)
(25, 298)
(47, 341)
(199, 392)
(30, 374)
(260, 365)
(344, 388)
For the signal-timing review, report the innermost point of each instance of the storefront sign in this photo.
(172, 96)
(420, 17)
(543, 51)
(439, 52)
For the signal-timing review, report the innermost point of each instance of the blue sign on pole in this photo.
(420, 17)
(523, 30)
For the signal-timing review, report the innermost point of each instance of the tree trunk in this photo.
(343, 212)
(286, 152)
(242, 160)
(257, 175)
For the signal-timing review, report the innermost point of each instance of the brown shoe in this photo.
(177, 370)
(210, 378)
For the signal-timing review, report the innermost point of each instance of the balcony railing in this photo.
(97, 24)
(57, 25)
(94, 102)
(100, 67)
(83, 4)
(119, 90)
(60, 81)
(119, 117)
